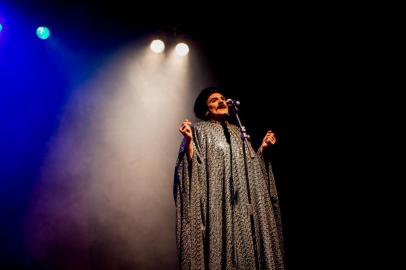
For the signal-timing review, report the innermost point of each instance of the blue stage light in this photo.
(43, 32)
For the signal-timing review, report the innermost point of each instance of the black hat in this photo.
(200, 107)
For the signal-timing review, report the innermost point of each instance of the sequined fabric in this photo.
(224, 219)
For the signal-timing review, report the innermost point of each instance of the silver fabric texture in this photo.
(224, 219)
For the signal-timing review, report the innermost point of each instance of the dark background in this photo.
(305, 71)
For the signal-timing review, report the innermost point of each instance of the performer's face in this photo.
(217, 105)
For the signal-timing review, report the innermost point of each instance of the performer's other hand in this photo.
(186, 129)
(268, 140)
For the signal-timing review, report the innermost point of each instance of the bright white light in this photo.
(182, 49)
(157, 46)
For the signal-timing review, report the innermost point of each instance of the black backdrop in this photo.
(299, 70)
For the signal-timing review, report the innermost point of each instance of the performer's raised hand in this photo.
(186, 129)
(268, 140)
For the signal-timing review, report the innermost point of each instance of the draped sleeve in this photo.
(273, 193)
(189, 191)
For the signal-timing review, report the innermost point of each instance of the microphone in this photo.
(232, 102)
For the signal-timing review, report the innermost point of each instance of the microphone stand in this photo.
(246, 147)
(244, 136)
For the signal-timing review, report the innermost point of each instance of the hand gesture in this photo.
(186, 129)
(268, 140)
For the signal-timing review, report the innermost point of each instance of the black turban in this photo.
(200, 107)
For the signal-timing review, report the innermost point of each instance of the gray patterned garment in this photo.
(225, 220)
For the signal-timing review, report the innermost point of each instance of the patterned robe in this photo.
(227, 216)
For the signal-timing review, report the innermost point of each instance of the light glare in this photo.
(43, 32)
(157, 46)
(182, 49)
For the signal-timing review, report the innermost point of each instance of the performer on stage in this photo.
(227, 208)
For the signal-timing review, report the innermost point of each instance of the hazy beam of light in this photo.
(104, 197)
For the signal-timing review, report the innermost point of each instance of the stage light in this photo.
(182, 49)
(157, 46)
(1, 27)
(43, 32)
